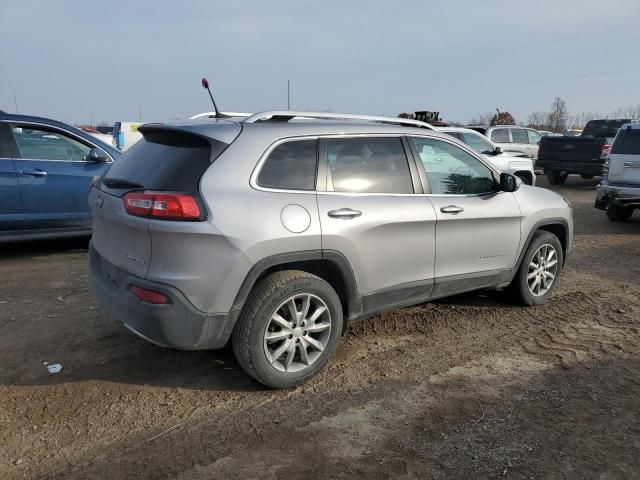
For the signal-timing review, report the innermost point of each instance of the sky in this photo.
(86, 61)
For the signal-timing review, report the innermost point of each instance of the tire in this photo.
(520, 287)
(557, 177)
(587, 176)
(268, 310)
(617, 213)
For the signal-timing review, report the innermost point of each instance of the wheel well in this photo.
(325, 269)
(560, 231)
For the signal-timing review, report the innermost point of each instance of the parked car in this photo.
(547, 133)
(103, 137)
(514, 163)
(573, 132)
(512, 138)
(126, 134)
(619, 192)
(46, 167)
(277, 232)
(583, 155)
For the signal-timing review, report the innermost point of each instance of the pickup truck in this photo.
(583, 155)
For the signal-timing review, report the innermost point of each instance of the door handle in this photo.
(345, 213)
(452, 209)
(35, 173)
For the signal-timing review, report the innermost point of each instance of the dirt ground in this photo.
(467, 387)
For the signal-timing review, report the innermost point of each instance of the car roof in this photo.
(297, 127)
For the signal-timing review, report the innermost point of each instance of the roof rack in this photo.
(286, 115)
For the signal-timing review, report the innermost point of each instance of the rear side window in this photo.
(165, 160)
(627, 142)
(501, 135)
(519, 136)
(368, 165)
(291, 166)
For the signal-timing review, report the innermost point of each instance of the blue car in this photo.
(46, 168)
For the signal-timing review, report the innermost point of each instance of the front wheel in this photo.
(557, 177)
(539, 271)
(289, 328)
(618, 213)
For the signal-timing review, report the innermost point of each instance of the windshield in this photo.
(603, 128)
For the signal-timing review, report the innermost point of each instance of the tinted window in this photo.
(627, 142)
(451, 170)
(164, 160)
(602, 128)
(40, 143)
(369, 165)
(500, 135)
(519, 135)
(479, 143)
(290, 166)
(534, 137)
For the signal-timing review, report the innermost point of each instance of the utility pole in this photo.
(139, 112)
(288, 94)
(15, 100)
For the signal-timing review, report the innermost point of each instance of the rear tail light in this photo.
(164, 206)
(149, 296)
(606, 148)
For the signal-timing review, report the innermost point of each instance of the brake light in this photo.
(149, 296)
(164, 206)
(606, 148)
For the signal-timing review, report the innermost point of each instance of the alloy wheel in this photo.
(542, 271)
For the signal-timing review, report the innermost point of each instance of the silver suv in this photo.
(278, 229)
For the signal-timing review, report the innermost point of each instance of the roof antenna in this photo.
(205, 84)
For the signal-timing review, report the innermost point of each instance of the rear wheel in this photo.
(618, 213)
(289, 328)
(539, 271)
(557, 177)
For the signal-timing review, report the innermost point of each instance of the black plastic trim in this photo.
(536, 227)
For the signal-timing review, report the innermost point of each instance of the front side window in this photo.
(500, 135)
(479, 143)
(534, 137)
(452, 171)
(368, 165)
(40, 143)
(290, 166)
(519, 135)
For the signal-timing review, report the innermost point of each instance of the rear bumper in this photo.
(583, 168)
(177, 325)
(614, 194)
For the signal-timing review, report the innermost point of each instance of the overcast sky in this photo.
(82, 60)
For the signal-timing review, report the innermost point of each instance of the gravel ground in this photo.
(466, 387)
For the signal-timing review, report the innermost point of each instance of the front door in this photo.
(54, 177)
(478, 228)
(11, 217)
(371, 213)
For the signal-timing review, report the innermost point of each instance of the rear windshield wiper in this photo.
(120, 183)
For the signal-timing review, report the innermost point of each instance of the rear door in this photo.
(478, 228)
(520, 142)
(374, 214)
(54, 177)
(11, 217)
(624, 159)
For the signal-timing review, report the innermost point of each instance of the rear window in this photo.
(603, 128)
(627, 142)
(164, 160)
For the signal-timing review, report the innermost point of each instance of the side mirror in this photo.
(497, 151)
(97, 155)
(508, 182)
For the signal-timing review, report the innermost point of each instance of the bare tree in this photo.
(482, 119)
(631, 111)
(558, 116)
(538, 120)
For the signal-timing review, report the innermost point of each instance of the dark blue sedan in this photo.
(46, 168)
